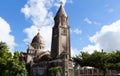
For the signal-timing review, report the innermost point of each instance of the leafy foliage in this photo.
(101, 60)
(10, 65)
(55, 70)
(114, 60)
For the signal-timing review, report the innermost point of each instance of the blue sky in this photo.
(95, 24)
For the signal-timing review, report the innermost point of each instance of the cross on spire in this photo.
(38, 30)
(61, 3)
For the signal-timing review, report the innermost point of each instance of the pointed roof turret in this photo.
(61, 11)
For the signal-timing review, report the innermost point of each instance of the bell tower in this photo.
(60, 47)
(60, 35)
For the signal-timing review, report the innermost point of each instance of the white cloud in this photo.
(77, 31)
(108, 38)
(38, 12)
(74, 51)
(5, 35)
(57, 2)
(91, 48)
(87, 20)
(111, 10)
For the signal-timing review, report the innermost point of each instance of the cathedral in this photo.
(38, 61)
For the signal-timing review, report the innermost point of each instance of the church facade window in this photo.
(64, 32)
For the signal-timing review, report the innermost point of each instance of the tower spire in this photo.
(61, 11)
(61, 18)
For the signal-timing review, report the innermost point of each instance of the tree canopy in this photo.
(10, 65)
(101, 60)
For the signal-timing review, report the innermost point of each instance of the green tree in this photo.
(10, 65)
(55, 71)
(81, 59)
(114, 60)
(101, 60)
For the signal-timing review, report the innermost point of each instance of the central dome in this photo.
(38, 42)
(38, 39)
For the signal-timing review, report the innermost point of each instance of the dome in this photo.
(38, 39)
